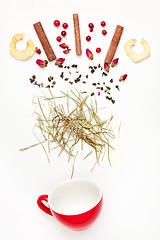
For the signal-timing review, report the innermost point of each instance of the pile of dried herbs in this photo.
(57, 124)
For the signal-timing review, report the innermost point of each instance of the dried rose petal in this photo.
(63, 45)
(59, 61)
(106, 67)
(42, 63)
(122, 78)
(66, 51)
(115, 62)
(99, 93)
(89, 54)
(37, 50)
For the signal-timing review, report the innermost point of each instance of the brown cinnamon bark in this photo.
(114, 44)
(77, 34)
(44, 41)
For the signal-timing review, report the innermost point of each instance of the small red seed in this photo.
(104, 32)
(63, 33)
(103, 23)
(59, 39)
(98, 50)
(65, 25)
(91, 25)
(56, 23)
(88, 38)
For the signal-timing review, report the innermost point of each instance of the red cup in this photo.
(75, 203)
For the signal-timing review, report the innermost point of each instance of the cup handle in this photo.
(42, 206)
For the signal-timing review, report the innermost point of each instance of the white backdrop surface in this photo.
(131, 186)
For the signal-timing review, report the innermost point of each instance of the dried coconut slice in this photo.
(133, 56)
(21, 55)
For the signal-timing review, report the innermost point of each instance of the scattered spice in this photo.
(94, 84)
(111, 81)
(31, 80)
(99, 65)
(89, 54)
(106, 67)
(66, 51)
(74, 66)
(63, 45)
(66, 79)
(117, 87)
(104, 74)
(122, 78)
(92, 71)
(59, 61)
(115, 62)
(92, 93)
(37, 50)
(42, 63)
(86, 76)
(71, 82)
(83, 82)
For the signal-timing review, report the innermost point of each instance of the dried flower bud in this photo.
(37, 50)
(89, 54)
(106, 67)
(41, 85)
(59, 61)
(115, 62)
(66, 51)
(122, 78)
(42, 63)
(63, 45)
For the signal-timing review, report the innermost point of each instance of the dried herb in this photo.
(66, 128)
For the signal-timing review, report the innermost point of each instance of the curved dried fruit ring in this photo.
(133, 56)
(21, 55)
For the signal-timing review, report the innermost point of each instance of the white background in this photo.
(132, 185)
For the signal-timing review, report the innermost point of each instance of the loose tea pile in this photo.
(66, 128)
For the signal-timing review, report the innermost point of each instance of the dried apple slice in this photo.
(132, 55)
(21, 55)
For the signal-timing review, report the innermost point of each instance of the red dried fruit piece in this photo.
(98, 50)
(88, 38)
(103, 23)
(66, 51)
(89, 54)
(104, 32)
(91, 25)
(91, 30)
(59, 39)
(42, 63)
(122, 78)
(115, 62)
(37, 50)
(65, 25)
(63, 33)
(106, 67)
(56, 23)
(59, 61)
(63, 45)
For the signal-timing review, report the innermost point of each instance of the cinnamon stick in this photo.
(114, 44)
(44, 41)
(77, 34)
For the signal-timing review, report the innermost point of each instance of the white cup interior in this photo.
(74, 197)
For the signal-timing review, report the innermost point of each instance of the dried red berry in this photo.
(65, 25)
(104, 32)
(59, 39)
(91, 30)
(103, 23)
(91, 25)
(88, 38)
(63, 33)
(56, 23)
(98, 50)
